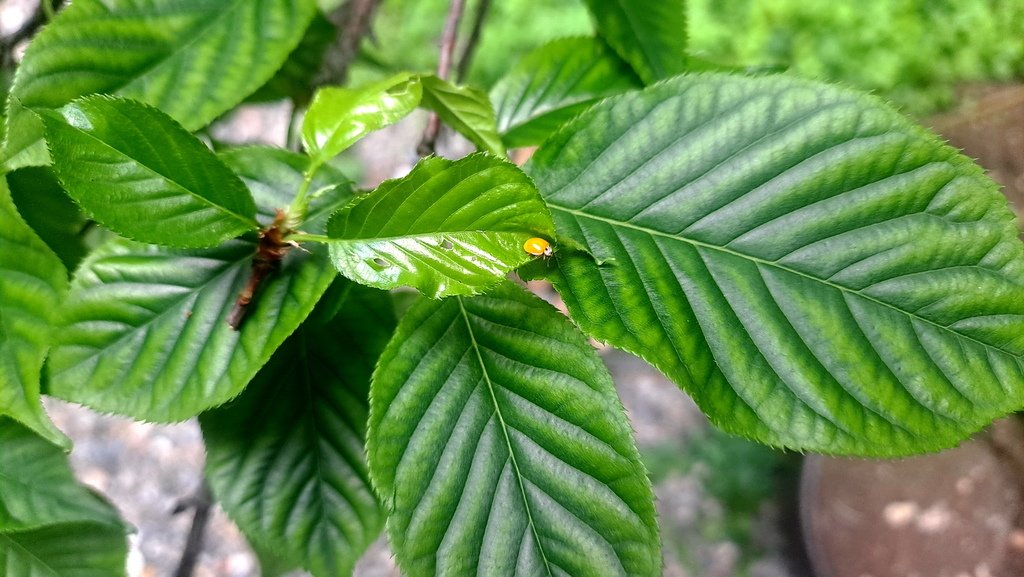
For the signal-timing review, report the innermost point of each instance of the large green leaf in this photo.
(49, 524)
(295, 79)
(37, 487)
(554, 83)
(70, 550)
(144, 330)
(649, 34)
(449, 227)
(32, 283)
(145, 177)
(816, 271)
(285, 459)
(338, 117)
(500, 447)
(50, 212)
(192, 59)
(465, 109)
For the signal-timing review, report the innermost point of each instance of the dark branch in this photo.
(444, 68)
(28, 29)
(202, 504)
(353, 21)
(469, 50)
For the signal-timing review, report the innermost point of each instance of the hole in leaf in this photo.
(378, 263)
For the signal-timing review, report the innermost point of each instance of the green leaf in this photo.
(193, 60)
(286, 460)
(449, 227)
(554, 83)
(142, 175)
(338, 117)
(23, 143)
(32, 283)
(37, 487)
(52, 215)
(295, 78)
(467, 110)
(649, 34)
(144, 330)
(69, 550)
(816, 271)
(500, 447)
(49, 524)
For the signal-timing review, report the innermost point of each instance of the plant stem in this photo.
(202, 503)
(297, 210)
(47, 9)
(444, 66)
(306, 237)
(466, 58)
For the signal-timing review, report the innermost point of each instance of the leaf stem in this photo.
(444, 66)
(299, 206)
(48, 10)
(306, 237)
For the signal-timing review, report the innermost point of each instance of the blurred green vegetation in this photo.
(913, 52)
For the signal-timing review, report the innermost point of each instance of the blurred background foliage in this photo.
(913, 52)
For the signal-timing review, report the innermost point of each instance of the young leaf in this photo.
(465, 109)
(49, 524)
(817, 272)
(144, 330)
(142, 175)
(449, 227)
(285, 459)
(554, 83)
(338, 117)
(32, 283)
(649, 34)
(500, 447)
(193, 60)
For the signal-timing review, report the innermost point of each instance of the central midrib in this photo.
(775, 265)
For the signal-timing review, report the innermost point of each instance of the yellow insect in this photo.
(538, 247)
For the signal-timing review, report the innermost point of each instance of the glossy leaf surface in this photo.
(338, 117)
(192, 59)
(49, 524)
(816, 271)
(649, 34)
(286, 458)
(467, 110)
(145, 177)
(32, 283)
(554, 83)
(499, 401)
(449, 227)
(144, 331)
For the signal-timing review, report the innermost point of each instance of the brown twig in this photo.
(202, 504)
(444, 68)
(353, 21)
(271, 250)
(469, 50)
